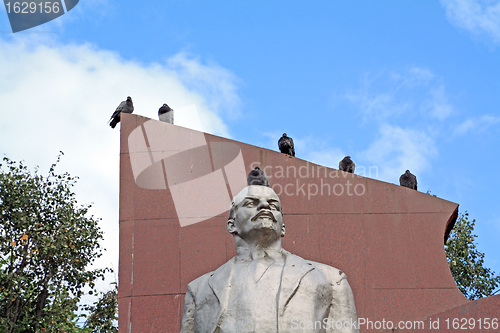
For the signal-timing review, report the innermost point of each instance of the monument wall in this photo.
(176, 185)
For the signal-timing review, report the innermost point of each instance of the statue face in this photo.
(257, 213)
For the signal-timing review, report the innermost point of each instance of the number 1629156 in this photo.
(471, 323)
(32, 7)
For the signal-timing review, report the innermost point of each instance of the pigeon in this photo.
(408, 180)
(166, 114)
(285, 143)
(257, 177)
(347, 165)
(125, 106)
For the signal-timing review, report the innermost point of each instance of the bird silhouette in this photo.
(409, 180)
(257, 177)
(285, 144)
(166, 114)
(125, 106)
(347, 165)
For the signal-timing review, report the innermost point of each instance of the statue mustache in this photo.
(264, 212)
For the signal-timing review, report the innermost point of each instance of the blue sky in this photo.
(395, 84)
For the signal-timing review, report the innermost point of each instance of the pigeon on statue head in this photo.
(257, 177)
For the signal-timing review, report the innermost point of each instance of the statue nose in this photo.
(263, 204)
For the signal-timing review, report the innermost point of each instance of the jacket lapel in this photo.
(293, 272)
(219, 282)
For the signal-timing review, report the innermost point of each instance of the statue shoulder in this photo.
(203, 281)
(333, 274)
(200, 281)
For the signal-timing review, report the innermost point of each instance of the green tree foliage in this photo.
(467, 263)
(46, 243)
(103, 314)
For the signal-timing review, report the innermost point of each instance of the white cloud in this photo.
(421, 75)
(475, 16)
(210, 80)
(476, 124)
(391, 96)
(328, 157)
(437, 104)
(397, 149)
(378, 106)
(408, 110)
(59, 97)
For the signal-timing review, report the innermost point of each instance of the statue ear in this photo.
(230, 226)
(283, 230)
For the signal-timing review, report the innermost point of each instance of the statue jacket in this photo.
(313, 297)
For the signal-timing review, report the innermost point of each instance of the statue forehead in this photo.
(255, 191)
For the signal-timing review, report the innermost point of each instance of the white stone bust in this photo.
(265, 288)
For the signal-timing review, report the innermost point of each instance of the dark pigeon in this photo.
(166, 114)
(347, 165)
(285, 143)
(125, 106)
(257, 177)
(408, 180)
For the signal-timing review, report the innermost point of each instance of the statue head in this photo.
(255, 215)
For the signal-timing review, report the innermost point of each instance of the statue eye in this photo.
(249, 203)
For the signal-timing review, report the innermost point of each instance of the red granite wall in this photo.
(175, 189)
